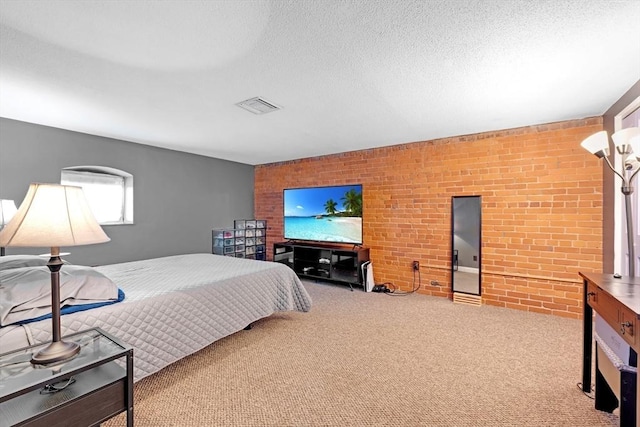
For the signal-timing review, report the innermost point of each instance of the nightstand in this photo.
(101, 384)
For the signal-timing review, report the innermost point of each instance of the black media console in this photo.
(325, 262)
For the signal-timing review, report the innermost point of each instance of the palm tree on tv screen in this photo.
(330, 206)
(352, 202)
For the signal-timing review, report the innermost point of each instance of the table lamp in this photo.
(7, 211)
(53, 215)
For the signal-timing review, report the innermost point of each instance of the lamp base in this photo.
(57, 351)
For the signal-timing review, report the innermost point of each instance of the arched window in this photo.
(109, 191)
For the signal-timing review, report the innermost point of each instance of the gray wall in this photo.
(178, 197)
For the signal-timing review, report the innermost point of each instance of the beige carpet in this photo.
(365, 359)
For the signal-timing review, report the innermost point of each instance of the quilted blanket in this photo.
(177, 305)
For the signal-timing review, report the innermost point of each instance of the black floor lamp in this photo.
(627, 143)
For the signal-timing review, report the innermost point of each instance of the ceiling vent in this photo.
(258, 105)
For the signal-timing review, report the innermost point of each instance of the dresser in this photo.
(617, 302)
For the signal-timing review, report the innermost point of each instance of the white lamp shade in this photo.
(53, 215)
(596, 143)
(623, 136)
(631, 162)
(7, 211)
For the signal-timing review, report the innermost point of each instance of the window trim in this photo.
(127, 213)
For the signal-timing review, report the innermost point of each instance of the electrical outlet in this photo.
(416, 265)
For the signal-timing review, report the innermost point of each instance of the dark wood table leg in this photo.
(130, 389)
(628, 408)
(605, 398)
(587, 337)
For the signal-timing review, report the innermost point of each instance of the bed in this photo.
(177, 305)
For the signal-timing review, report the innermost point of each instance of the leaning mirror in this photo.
(465, 244)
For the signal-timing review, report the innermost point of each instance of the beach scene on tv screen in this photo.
(328, 214)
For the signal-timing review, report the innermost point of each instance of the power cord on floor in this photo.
(390, 289)
(584, 392)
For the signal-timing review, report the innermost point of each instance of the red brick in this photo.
(541, 198)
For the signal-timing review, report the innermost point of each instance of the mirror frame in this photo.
(454, 261)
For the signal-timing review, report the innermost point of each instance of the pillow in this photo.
(18, 261)
(25, 293)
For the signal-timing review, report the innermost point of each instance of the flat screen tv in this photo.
(324, 214)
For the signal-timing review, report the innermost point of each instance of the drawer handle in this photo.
(590, 294)
(624, 326)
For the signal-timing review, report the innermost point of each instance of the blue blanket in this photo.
(68, 309)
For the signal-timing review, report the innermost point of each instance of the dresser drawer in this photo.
(619, 317)
(604, 304)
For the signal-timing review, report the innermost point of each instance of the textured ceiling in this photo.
(349, 75)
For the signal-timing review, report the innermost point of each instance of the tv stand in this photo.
(332, 263)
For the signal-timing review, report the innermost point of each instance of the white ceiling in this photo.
(350, 74)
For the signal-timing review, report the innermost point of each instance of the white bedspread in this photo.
(177, 305)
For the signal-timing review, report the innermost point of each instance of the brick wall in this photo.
(541, 209)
